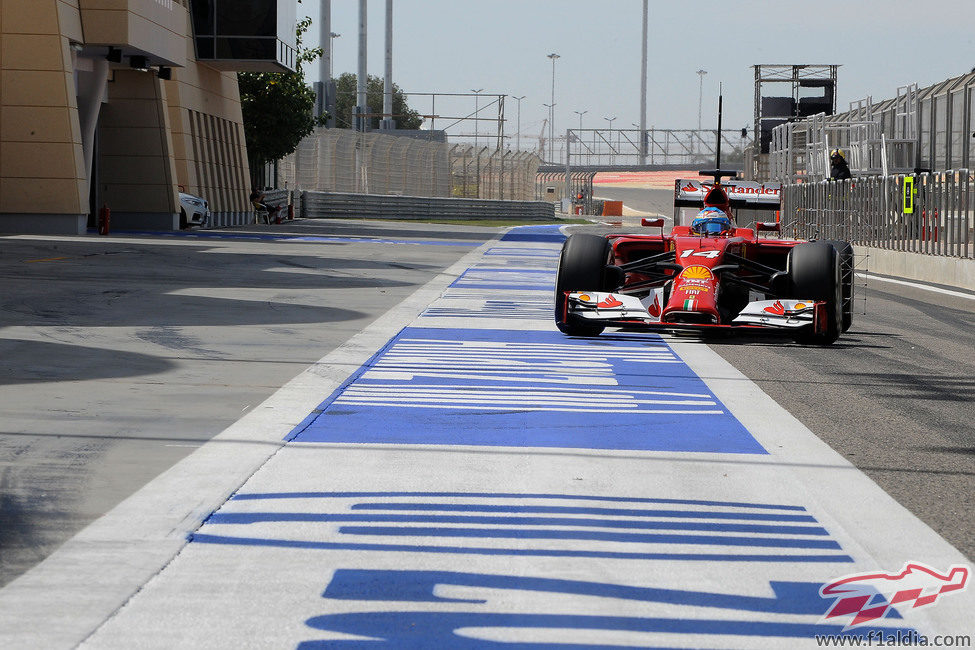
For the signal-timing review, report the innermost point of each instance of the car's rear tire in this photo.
(845, 252)
(581, 268)
(814, 269)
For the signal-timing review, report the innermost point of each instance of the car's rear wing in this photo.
(690, 193)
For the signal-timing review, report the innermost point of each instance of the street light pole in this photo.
(580, 117)
(477, 96)
(551, 121)
(700, 97)
(550, 108)
(612, 158)
(518, 134)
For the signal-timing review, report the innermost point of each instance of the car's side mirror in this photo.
(652, 223)
(767, 226)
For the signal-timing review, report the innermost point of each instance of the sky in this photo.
(501, 46)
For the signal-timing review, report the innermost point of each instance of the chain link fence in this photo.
(935, 219)
(486, 174)
(340, 160)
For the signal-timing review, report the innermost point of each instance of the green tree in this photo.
(346, 86)
(278, 107)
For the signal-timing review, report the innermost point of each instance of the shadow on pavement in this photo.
(64, 362)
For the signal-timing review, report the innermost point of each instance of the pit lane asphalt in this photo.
(120, 355)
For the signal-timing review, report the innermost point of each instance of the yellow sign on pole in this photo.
(908, 195)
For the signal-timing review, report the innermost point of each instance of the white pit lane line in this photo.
(135, 542)
(916, 285)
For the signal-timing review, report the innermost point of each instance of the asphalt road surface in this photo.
(651, 201)
(121, 355)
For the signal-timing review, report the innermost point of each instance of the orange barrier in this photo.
(612, 208)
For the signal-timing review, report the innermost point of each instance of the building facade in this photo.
(107, 103)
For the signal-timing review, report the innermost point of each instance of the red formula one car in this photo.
(707, 276)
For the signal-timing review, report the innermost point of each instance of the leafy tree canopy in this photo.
(346, 86)
(278, 107)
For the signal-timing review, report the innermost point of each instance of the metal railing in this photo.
(340, 160)
(550, 186)
(800, 150)
(622, 147)
(870, 211)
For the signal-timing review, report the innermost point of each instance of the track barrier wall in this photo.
(321, 205)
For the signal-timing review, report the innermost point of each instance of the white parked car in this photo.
(193, 211)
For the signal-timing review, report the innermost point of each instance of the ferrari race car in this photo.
(709, 275)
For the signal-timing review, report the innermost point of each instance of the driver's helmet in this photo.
(711, 221)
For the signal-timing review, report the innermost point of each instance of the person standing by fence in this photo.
(838, 168)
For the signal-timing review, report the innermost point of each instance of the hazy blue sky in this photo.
(501, 46)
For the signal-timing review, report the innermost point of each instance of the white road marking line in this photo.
(538, 390)
(947, 292)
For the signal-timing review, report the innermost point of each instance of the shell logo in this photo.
(800, 305)
(585, 297)
(697, 273)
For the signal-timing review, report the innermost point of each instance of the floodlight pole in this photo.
(361, 102)
(325, 40)
(551, 121)
(643, 89)
(388, 124)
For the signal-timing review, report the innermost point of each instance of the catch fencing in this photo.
(481, 173)
(340, 160)
(935, 219)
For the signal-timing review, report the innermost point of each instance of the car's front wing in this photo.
(621, 310)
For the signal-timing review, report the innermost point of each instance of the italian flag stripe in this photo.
(689, 304)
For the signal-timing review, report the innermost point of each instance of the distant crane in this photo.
(541, 137)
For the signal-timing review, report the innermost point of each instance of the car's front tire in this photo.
(814, 270)
(582, 267)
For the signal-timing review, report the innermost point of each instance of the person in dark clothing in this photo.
(838, 169)
(259, 202)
